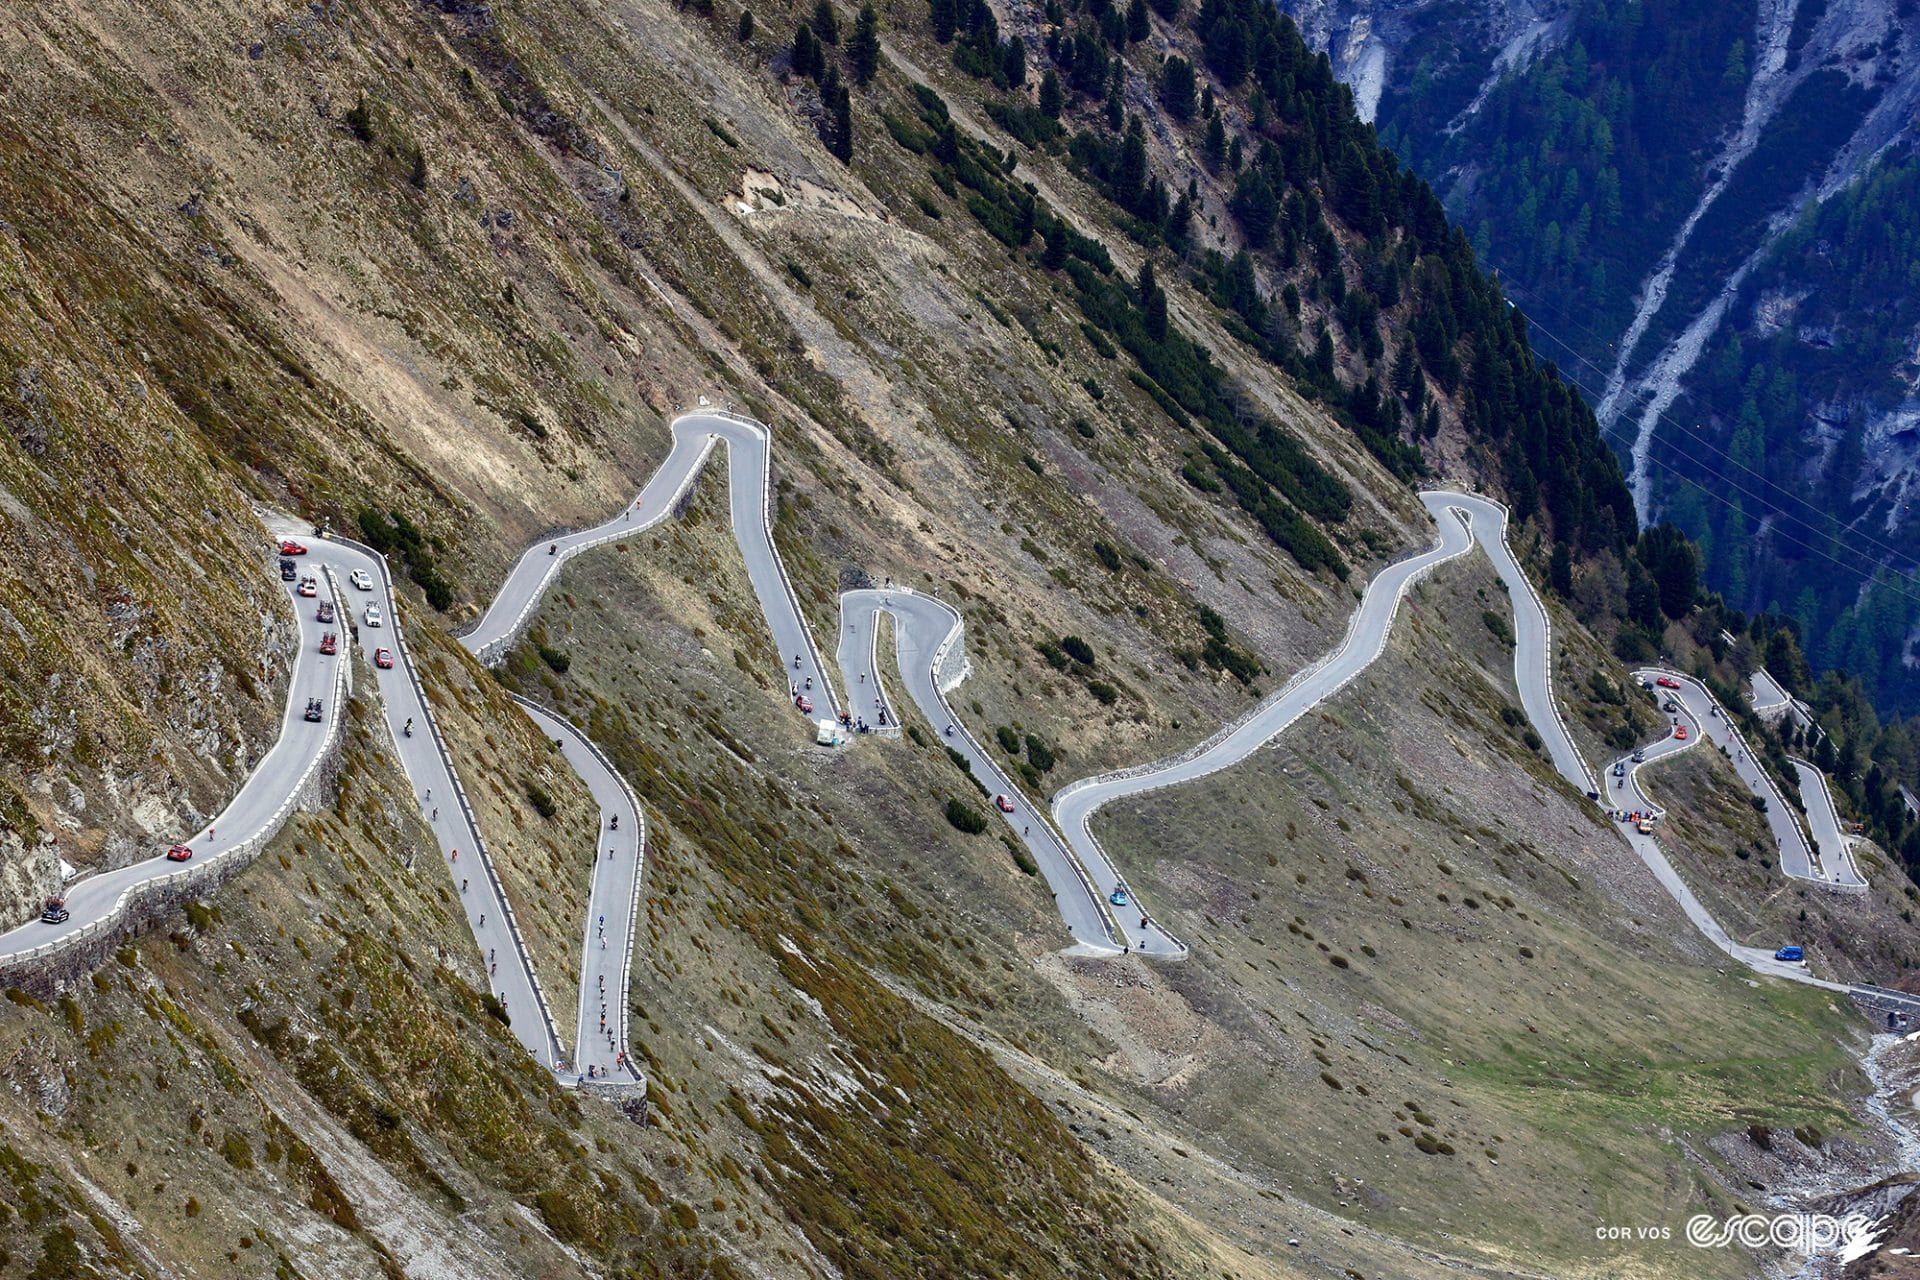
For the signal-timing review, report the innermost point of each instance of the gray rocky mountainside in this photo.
(1090, 346)
(1692, 204)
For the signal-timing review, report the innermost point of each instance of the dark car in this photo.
(55, 912)
(314, 712)
(287, 570)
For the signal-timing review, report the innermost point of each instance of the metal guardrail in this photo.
(1777, 796)
(1846, 854)
(954, 634)
(892, 728)
(1546, 622)
(249, 848)
(626, 961)
(205, 865)
(555, 1045)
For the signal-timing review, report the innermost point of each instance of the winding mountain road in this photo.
(261, 805)
(1089, 890)
(1707, 722)
(502, 964)
(929, 647)
(1075, 805)
(1833, 848)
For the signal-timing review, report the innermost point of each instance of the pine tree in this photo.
(1055, 255)
(1214, 150)
(360, 120)
(1176, 88)
(826, 24)
(1227, 51)
(1180, 221)
(945, 16)
(807, 54)
(1255, 206)
(1153, 303)
(1323, 356)
(1560, 569)
(1052, 98)
(1138, 28)
(1406, 366)
(863, 51)
(745, 30)
(841, 143)
(1013, 62)
(1116, 101)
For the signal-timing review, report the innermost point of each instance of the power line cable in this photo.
(1869, 576)
(1694, 430)
(1699, 436)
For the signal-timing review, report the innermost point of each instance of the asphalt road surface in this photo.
(1768, 697)
(1537, 670)
(1075, 805)
(1708, 722)
(748, 494)
(1533, 640)
(923, 629)
(501, 964)
(930, 652)
(606, 947)
(258, 808)
(1832, 846)
(1631, 798)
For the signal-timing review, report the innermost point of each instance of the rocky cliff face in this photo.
(1640, 293)
(437, 273)
(1375, 45)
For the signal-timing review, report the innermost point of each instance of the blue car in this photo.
(1118, 897)
(1794, 954)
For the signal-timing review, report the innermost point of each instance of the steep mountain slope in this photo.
(434, 273)
(1809, 388)
(1644, 178)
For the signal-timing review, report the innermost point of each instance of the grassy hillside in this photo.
(438, 274)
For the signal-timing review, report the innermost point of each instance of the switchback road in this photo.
(1088, 888)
